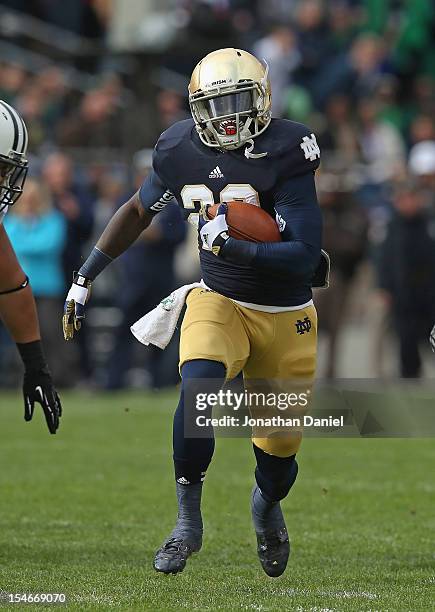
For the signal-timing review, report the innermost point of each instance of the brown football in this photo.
(249, 222)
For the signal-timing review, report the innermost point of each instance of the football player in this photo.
(255, 313)
(17, 306)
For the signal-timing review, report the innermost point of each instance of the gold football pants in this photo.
(266, 346)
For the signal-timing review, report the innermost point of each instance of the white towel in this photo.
(158, 326)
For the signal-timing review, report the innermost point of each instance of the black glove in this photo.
(321, 275)
(38, 387)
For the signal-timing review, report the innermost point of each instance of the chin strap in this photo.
(249, 148)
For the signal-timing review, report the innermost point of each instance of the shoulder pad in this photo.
(171, 137)
(167, 144)
(292, 146)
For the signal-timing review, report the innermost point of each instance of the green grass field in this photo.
(82, 513)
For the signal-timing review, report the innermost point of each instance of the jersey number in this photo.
(197, 197)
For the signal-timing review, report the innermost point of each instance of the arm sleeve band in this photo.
(153, 194)
(22, 286)
(95, 264)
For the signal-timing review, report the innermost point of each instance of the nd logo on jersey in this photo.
(310, 147)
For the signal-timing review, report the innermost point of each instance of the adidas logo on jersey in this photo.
(216, 173)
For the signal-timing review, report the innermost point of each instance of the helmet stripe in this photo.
(21, 132)
(25, 136)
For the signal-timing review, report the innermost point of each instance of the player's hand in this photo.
(214, 233)
(74, 308)
(38, 387)
(432, 338)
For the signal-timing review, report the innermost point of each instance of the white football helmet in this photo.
(13, 161)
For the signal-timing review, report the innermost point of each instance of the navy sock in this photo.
(192, 455)
(275, 476)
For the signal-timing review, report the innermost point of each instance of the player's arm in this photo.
(301, 230)
(17, 306)
(18, 313)
(126, 225)
(301, 223)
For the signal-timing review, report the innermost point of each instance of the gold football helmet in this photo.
(230, 98)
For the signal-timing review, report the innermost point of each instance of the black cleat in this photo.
(273, 551)
(186, 537)
(172, 556)
(273, 546)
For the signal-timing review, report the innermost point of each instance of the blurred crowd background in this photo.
(97, 81)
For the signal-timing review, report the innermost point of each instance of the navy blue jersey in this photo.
(282, 183)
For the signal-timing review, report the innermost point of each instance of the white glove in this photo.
(74, 308)
(214, 233)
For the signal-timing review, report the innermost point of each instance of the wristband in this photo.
(79, 291)
(95, 263)
(32, 356)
